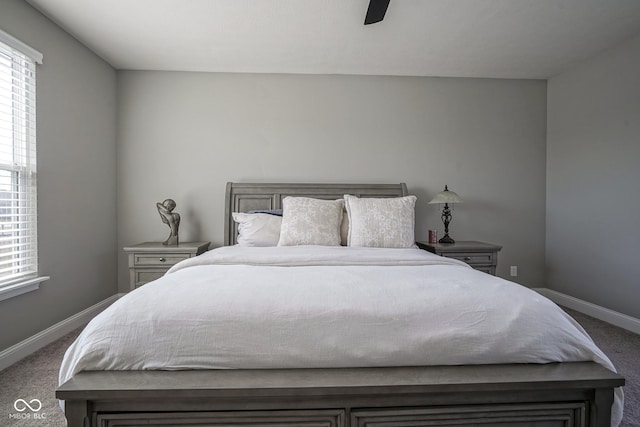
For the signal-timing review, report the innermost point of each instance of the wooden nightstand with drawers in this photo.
(149, 261)
(479, 255)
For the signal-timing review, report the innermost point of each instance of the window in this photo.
(18, 209)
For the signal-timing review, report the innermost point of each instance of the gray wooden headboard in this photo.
(245, 197)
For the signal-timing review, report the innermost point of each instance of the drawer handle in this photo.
(467, 258)
(162, 259)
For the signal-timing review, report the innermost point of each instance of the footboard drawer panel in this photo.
(309, 418)
(530, 415)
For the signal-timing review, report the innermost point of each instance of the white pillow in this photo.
(381, 223)
(308, 221)
(257, 229)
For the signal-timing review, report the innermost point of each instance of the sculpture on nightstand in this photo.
(172, 219)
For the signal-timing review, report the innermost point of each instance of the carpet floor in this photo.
(36, 376)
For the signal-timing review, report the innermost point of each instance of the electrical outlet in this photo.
(514, 271)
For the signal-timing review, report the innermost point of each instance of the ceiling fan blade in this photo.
(376, 11)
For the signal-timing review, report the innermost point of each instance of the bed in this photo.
(332, 335)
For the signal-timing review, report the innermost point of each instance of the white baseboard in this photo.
(606, 315)
(34, 343)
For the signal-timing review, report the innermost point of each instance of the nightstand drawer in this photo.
(489, 269)
(473, 258)
(148, 275)
(143, 260)
(479, 255)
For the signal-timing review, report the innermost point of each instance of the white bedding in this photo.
(311, 306)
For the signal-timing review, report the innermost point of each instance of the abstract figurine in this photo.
(165, 209)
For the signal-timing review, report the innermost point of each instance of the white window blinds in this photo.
(18, 209)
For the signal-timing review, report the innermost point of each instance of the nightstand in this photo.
(149, 261)
(479, 255)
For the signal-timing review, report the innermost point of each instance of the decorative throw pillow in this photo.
(258, 229)
(308, 221)
(381, 222)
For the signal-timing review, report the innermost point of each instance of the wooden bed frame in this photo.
(556, 394)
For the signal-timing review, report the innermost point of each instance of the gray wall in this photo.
(593, 180)
(76, 96)
(184, 135)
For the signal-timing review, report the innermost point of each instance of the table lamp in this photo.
(446, 197)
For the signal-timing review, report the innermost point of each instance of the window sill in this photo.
(15, 289)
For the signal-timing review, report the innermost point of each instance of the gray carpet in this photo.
(623, 349)
(36, 377)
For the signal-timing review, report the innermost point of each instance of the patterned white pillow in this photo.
(381, 222)
(308, 221)
(257, 229)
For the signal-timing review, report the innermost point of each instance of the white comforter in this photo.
(310, 306)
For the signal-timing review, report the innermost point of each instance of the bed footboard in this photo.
(559, 394)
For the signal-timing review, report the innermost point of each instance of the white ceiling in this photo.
(462, 38)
